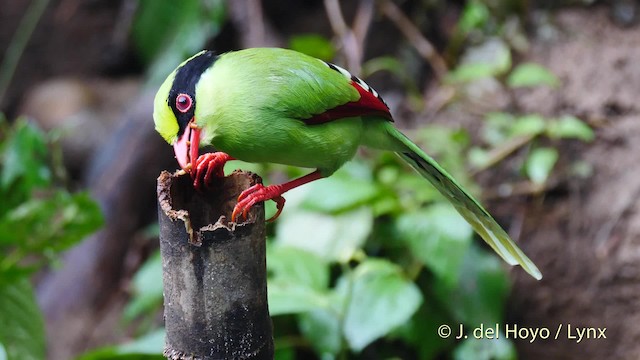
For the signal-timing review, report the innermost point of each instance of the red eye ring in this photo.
(183, 103)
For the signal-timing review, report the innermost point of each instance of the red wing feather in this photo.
(367, 105)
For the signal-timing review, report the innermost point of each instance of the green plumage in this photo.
(259, 98)
(251, 104)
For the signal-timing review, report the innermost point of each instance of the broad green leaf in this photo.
(24, 157)
(298, 280)
(42, 227)
(166, 33)
(540, 163)
(340, 193)
(570, 127)
(314, 45)
(474, 16)
(147, 288)
(485, 349)
(531, 74)
(333, 238)
(480, 295)
(287, 297)
(439, 237)
(378, 299)
(298, 266)
(149, 347)
(532, 124)
(478, 157)
(22, 330)
(322, 328)
(158, 23)
(469, 72)
(53, 224)
(497, 127)
(490, 59)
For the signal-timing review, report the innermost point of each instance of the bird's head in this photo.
(174, 107)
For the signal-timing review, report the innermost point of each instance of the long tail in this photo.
(465, 204)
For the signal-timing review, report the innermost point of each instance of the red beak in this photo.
(186, 147)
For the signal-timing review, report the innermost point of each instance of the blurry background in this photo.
(530, 104)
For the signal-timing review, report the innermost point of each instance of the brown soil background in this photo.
(586, 242)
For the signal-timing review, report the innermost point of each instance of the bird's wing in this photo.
(305, 88)
(369, 102)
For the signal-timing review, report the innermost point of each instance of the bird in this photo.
(274, 105)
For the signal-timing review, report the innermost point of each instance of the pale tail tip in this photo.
(533, 271)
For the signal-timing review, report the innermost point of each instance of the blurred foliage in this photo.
(147, 347)
(165, 33)
(38, 219)
(313, 45)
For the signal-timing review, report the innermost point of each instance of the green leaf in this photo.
(286, 297)
(166, 33)
(531, 124)
(298, 266)
(378, 299)
(480, 295)
(540, 163)
(340, 193)
(298, 281)
(322, 328)
(22, 330)
(485, 349)
(478, 157)
(159, 23)
(333, 238)
(466, 73)
(497, 127)
(148, 347)
(490, 59)
(24, 157)
(147, 289)
(51, 223)
(570, 127)
(474, 16)
(313, 45)
(531, 74)
(439, 237)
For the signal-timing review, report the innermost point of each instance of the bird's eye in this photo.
(183, 103)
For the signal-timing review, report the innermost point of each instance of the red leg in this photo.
(208, 165)
(259, 192)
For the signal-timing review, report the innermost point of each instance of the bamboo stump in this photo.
(214, 271)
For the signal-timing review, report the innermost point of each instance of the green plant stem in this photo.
(19, 42)
(500, 153)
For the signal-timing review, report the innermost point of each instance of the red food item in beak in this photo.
(186, 147)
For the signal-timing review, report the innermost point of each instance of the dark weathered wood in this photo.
(214, 272)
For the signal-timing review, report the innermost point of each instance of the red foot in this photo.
(207, 166)
(255, 194)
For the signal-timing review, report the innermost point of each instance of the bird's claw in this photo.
(255, 194)
(206, 167)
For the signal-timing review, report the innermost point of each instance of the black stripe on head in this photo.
(187, 76)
